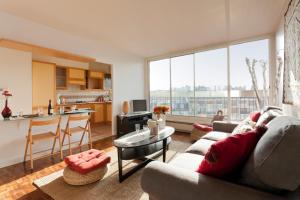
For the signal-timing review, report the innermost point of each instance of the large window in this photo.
(160, 83)
(211, 82)
(243, 95)
(182, 82)
(202, 83)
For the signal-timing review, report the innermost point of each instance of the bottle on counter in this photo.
(50, 108)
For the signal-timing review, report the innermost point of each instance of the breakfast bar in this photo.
(14, 131)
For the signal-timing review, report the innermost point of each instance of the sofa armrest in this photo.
(224, 126)
(166, 182)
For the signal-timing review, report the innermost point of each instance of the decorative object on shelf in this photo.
(291, 74)
(125, 107)
(6, 112)
(160, 112)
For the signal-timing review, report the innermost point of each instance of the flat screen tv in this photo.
(139, 105)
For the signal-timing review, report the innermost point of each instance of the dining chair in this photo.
(47, 125)
(72, 127)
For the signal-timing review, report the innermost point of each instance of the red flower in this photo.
(6, 93)
(161, 109)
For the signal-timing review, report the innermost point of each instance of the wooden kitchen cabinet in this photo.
(99, 115)
(43, 84)
(95, 80)
(76, 76)
(108, 112)
(84, 106)
(61, 78)
(96, 74)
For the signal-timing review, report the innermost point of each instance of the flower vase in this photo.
(6, 112)
(161, 121)
(157, 116)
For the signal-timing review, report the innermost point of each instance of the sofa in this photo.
(271, 172)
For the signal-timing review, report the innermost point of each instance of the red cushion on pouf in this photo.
(254, 116)
(226, 156)
(202, 127)
(87, 161)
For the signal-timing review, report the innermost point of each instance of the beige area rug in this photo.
(54, 186)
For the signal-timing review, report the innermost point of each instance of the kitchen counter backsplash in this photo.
(83, 96)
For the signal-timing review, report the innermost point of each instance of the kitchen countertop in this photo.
(83, 103)
(31, 116)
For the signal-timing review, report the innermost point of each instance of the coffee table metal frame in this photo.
(142, 144)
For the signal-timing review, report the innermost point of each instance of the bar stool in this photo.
(31, 138)
(85, 129)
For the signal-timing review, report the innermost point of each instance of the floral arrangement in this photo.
(6, 93)
(161, 109)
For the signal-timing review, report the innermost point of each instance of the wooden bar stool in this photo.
(31, 138)
(86, 129)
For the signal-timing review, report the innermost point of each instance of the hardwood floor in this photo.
(100, 131)
(16, 180)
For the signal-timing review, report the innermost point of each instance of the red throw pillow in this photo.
(254, 116)
(226, 156)
(202, 127)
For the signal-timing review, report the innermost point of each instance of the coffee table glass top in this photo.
(143, 138)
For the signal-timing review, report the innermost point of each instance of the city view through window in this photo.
(202, 83)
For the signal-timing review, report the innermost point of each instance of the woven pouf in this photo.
(74, 178)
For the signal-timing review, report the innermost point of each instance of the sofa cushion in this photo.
(267, 116)
(275, 162)
(226, 156)
(216, 135)
(246, 125)
(187, 161)
(254, 116)
(201, 127)
(200, 147)
(266, 108)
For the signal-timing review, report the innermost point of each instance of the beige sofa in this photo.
(272, 171)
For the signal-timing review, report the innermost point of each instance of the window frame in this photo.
(193, 52)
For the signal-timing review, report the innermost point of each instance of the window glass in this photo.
(243, 96)
(182, 82)
(211, 82)
(159, 83)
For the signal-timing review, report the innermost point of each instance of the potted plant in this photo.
(160, 112)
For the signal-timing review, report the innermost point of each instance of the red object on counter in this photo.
(6, 112)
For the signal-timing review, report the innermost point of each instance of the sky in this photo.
(210, 67)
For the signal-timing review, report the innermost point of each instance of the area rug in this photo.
(54, 187)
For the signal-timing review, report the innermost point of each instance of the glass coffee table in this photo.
(138, 145)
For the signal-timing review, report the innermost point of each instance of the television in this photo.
(139, 105)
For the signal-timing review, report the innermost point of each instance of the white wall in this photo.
(15, 75)
(127, 69)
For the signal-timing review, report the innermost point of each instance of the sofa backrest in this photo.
(275, 161)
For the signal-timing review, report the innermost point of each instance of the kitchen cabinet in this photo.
(43, 84)
(99, 115)
(84, 106)
(61, 78)
(96, 74)
(76, 76)
(108, 112)
(95, 80)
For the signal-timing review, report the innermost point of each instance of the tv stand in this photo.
(126, 123)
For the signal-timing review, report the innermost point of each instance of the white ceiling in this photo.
(153, 27)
